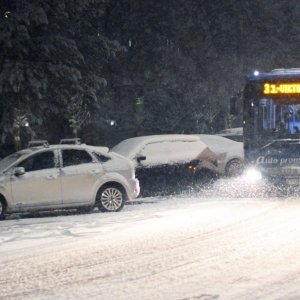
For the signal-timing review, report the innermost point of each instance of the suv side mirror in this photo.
(19, 171)
(140, 158)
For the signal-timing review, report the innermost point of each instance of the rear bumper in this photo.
(134, 189)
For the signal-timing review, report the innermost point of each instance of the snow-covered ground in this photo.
(230, 242)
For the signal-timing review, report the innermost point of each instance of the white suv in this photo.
(66, 176)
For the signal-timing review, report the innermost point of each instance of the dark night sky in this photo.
(63, 60)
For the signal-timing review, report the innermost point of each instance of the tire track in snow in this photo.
(151, 262)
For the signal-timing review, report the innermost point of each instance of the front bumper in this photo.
(287, 172)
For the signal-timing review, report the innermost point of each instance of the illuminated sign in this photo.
(281, 88)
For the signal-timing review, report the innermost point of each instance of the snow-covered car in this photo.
(230, 154)
(163, 161)
(65, 176)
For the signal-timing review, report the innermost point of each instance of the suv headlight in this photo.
(253, 175)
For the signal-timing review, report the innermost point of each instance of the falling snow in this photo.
(213, 244)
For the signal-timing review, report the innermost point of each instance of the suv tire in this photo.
(111, 198)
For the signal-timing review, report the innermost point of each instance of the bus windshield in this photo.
(274, 115)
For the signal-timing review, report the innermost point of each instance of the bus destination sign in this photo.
(281, 88)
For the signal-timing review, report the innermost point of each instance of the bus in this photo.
(271, 124)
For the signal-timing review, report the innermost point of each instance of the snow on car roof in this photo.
(219, 144)
(128, 147)
(140, 140)
(231, 131)
(218, 140)
(72, 146)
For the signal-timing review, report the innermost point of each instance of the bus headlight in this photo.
(253, 175)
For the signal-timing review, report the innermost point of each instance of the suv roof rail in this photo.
(74, 141)
(38, 143)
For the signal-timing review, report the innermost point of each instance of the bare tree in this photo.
(78, 114)
(20, 120)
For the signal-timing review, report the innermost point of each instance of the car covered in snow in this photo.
(65, 176)
(230, 154)
(163, 161)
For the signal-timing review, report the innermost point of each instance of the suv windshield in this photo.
(7, 161)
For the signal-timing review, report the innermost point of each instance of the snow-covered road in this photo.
(191, 246)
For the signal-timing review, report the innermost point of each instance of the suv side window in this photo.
(73, 157)
(40, 161)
